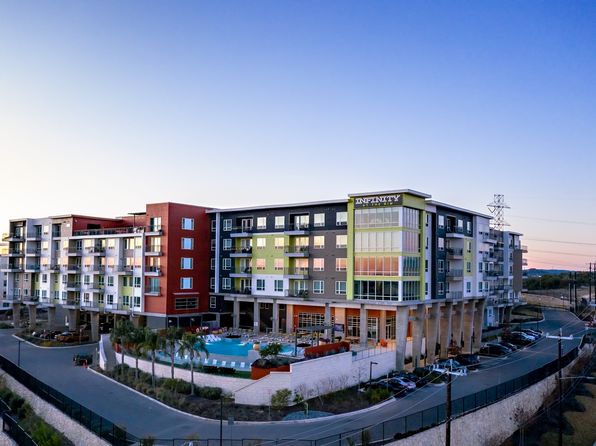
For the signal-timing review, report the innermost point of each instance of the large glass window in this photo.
(318, 264)
(261, 222)
(341, 219)
(376, 290)
(310, 319)
(376, 217)
(280, 222)
(411, 266)
(340, 287)
(411, 290)
(319, 220)
(376, 266)
(383, 241)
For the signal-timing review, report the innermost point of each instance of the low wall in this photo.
(495, 423)
(53, 416)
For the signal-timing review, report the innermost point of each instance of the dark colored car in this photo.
(471, 361)
(519, 338)
(418, 380)
(494, 350)
(508, 345)
(82, 359)
(395, 388)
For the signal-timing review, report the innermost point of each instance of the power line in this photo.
(565, 253)
(559, 241)
(551, 220)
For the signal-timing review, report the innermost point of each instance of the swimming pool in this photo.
(237, 347)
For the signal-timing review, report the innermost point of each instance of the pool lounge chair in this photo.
(242, 365)
(223, 363)
(214, 362)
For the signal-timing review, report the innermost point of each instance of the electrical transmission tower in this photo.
(497, 209)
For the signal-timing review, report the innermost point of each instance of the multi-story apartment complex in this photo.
(150, 266)
(390, 265)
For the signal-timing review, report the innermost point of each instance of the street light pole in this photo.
(19, 354)
(370, 372)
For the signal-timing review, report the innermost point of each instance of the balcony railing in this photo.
(123, 269)
(154, 291)
(245, 290)
(34, 236)
(73, 268)
(455, 295)
(15, 252)
(33, 268)
(298, 226)
(33, 251)
(14, 237)
(110, 231)
(455, 252)
(296, 271)
(454, 230)
(296, 250)
(298, 293)
(455, 273)
(74, 250)
(246, 250)
(153, 270)
(96, 249)
(153, 250)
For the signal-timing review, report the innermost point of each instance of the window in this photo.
(137, 281)
(411, 266)
(87, 280)
(186, 283)
(319, 241)
(441, 221)
(279, 243)
(341, 219)
(212, 283)
(213, 244)
(213, 225)
(469, 226)
(260, 284)
(44, 278)
(187, 243)
(440, 288)
(441, 266)
(261, 243)
(188, 223)
(261, 222)
(261, 264)
(278, 286)
(212, 302)
(110, 280)
(226, 283)
(212, 264)
(426, 288)
(479, 267)
(426, 266)
(460, 223)
(468, 267)
(469, 246)
(318, 264)
(318, 287)
(227, 224)
(340, 287)
(480, 287)
(110, 299)
(468, 287)
(186, 262)
(278, 264)
(226, 263)
(227, 244)
(441, 243)
(280, 222)
(186, 303)
(341, 241)
(341, 264)
(319, 220)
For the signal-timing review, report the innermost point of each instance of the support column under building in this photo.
(508, 310)
(468, 328)
(16, 314)
(434, 318)
(401, 336)
(275, 318)
(479, 323)
(382, 324)
(236, 315)
(457, 319)
(328, 320)
(32, 315)
(256, 317)
(417, 331)
(290, 319)
(73, 319)
(445, 335)
(363, 326)
(51, 317)
(501, 315)
(94, 326)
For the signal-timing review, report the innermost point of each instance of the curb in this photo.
(248, 423)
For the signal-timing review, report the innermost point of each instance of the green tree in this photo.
(169, 338)
(119, 335)
(151, 344)
(271, 350)
(192, 344)
(135, 339)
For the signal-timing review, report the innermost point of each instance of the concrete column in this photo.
(501, 315)
(256, 317)
(73, 319)
(445, 325)
(16, 314)
(401, 334)
(468, 328)
(32, 315)
(434, 318)
(275, 318)
(363, 326)
(51, 317)
(479, 323)
(457, 319)
(508, 310)
(382, 323)
(328, 320)
(418, 329)
(236, 315)
(289, 318)
(94, 326)
(136, 320)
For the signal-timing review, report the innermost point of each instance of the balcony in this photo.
(72, 304)
(73, 269)
(244, 291)
(34, 268)
(74, 251)
(153, 271)
(33, 252)
(96, 269)
(13, 297)
(92, 305)
(96, 250)
(96, 288)
(455, 253)
(153, 230)
(73, 286)
(296, 251)
(15, 268)
(15, 253)
(153, 250)
(33, 237)
(296, 273)
(524, 249)
(14, 237)
(124, 270)
(50, 268)
(454, 295)
(489, 237)
(454, 232)
(297, 293)
(489, 257)
(242, 272)
(153, 291)
(241, 231)
(109, 231)
(491, 274)
(455, 274)
(297, 229)
(241, 252)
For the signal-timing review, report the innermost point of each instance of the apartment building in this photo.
(391, 265)
(149, 266)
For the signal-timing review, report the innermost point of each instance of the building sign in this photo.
(378, 200)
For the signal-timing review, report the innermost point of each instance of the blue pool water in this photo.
(236, 347)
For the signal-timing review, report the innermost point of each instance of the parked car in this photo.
(395, 388)
(519, 338)
(82, 359)
(532, 336)
(418, 380)
(532, 332)
(494, 350)
(451, 365)
(405, 382)
(508, 345)
(471, 361)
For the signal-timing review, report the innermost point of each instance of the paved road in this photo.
(144, 417)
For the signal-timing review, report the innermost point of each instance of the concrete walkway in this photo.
(143, 417)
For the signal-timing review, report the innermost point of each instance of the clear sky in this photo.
(107, 105)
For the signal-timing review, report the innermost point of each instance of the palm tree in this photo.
(119, 334)
(151, 344)
(169, 337)
(191, 343)
(135, 339)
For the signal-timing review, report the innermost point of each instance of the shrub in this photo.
(5, 325)
(375, 396)
(226, 370)
(175, 385)
(44, 435)
(210, 393)
(280, 398)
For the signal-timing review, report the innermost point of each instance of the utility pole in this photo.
(590, 284)
(560, 379)
(448, 412)
(575, 291)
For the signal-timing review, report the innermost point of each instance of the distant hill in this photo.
(534, 272)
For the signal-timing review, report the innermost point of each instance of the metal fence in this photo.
(378, 434)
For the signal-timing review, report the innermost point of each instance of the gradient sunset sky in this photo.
(105, 106)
